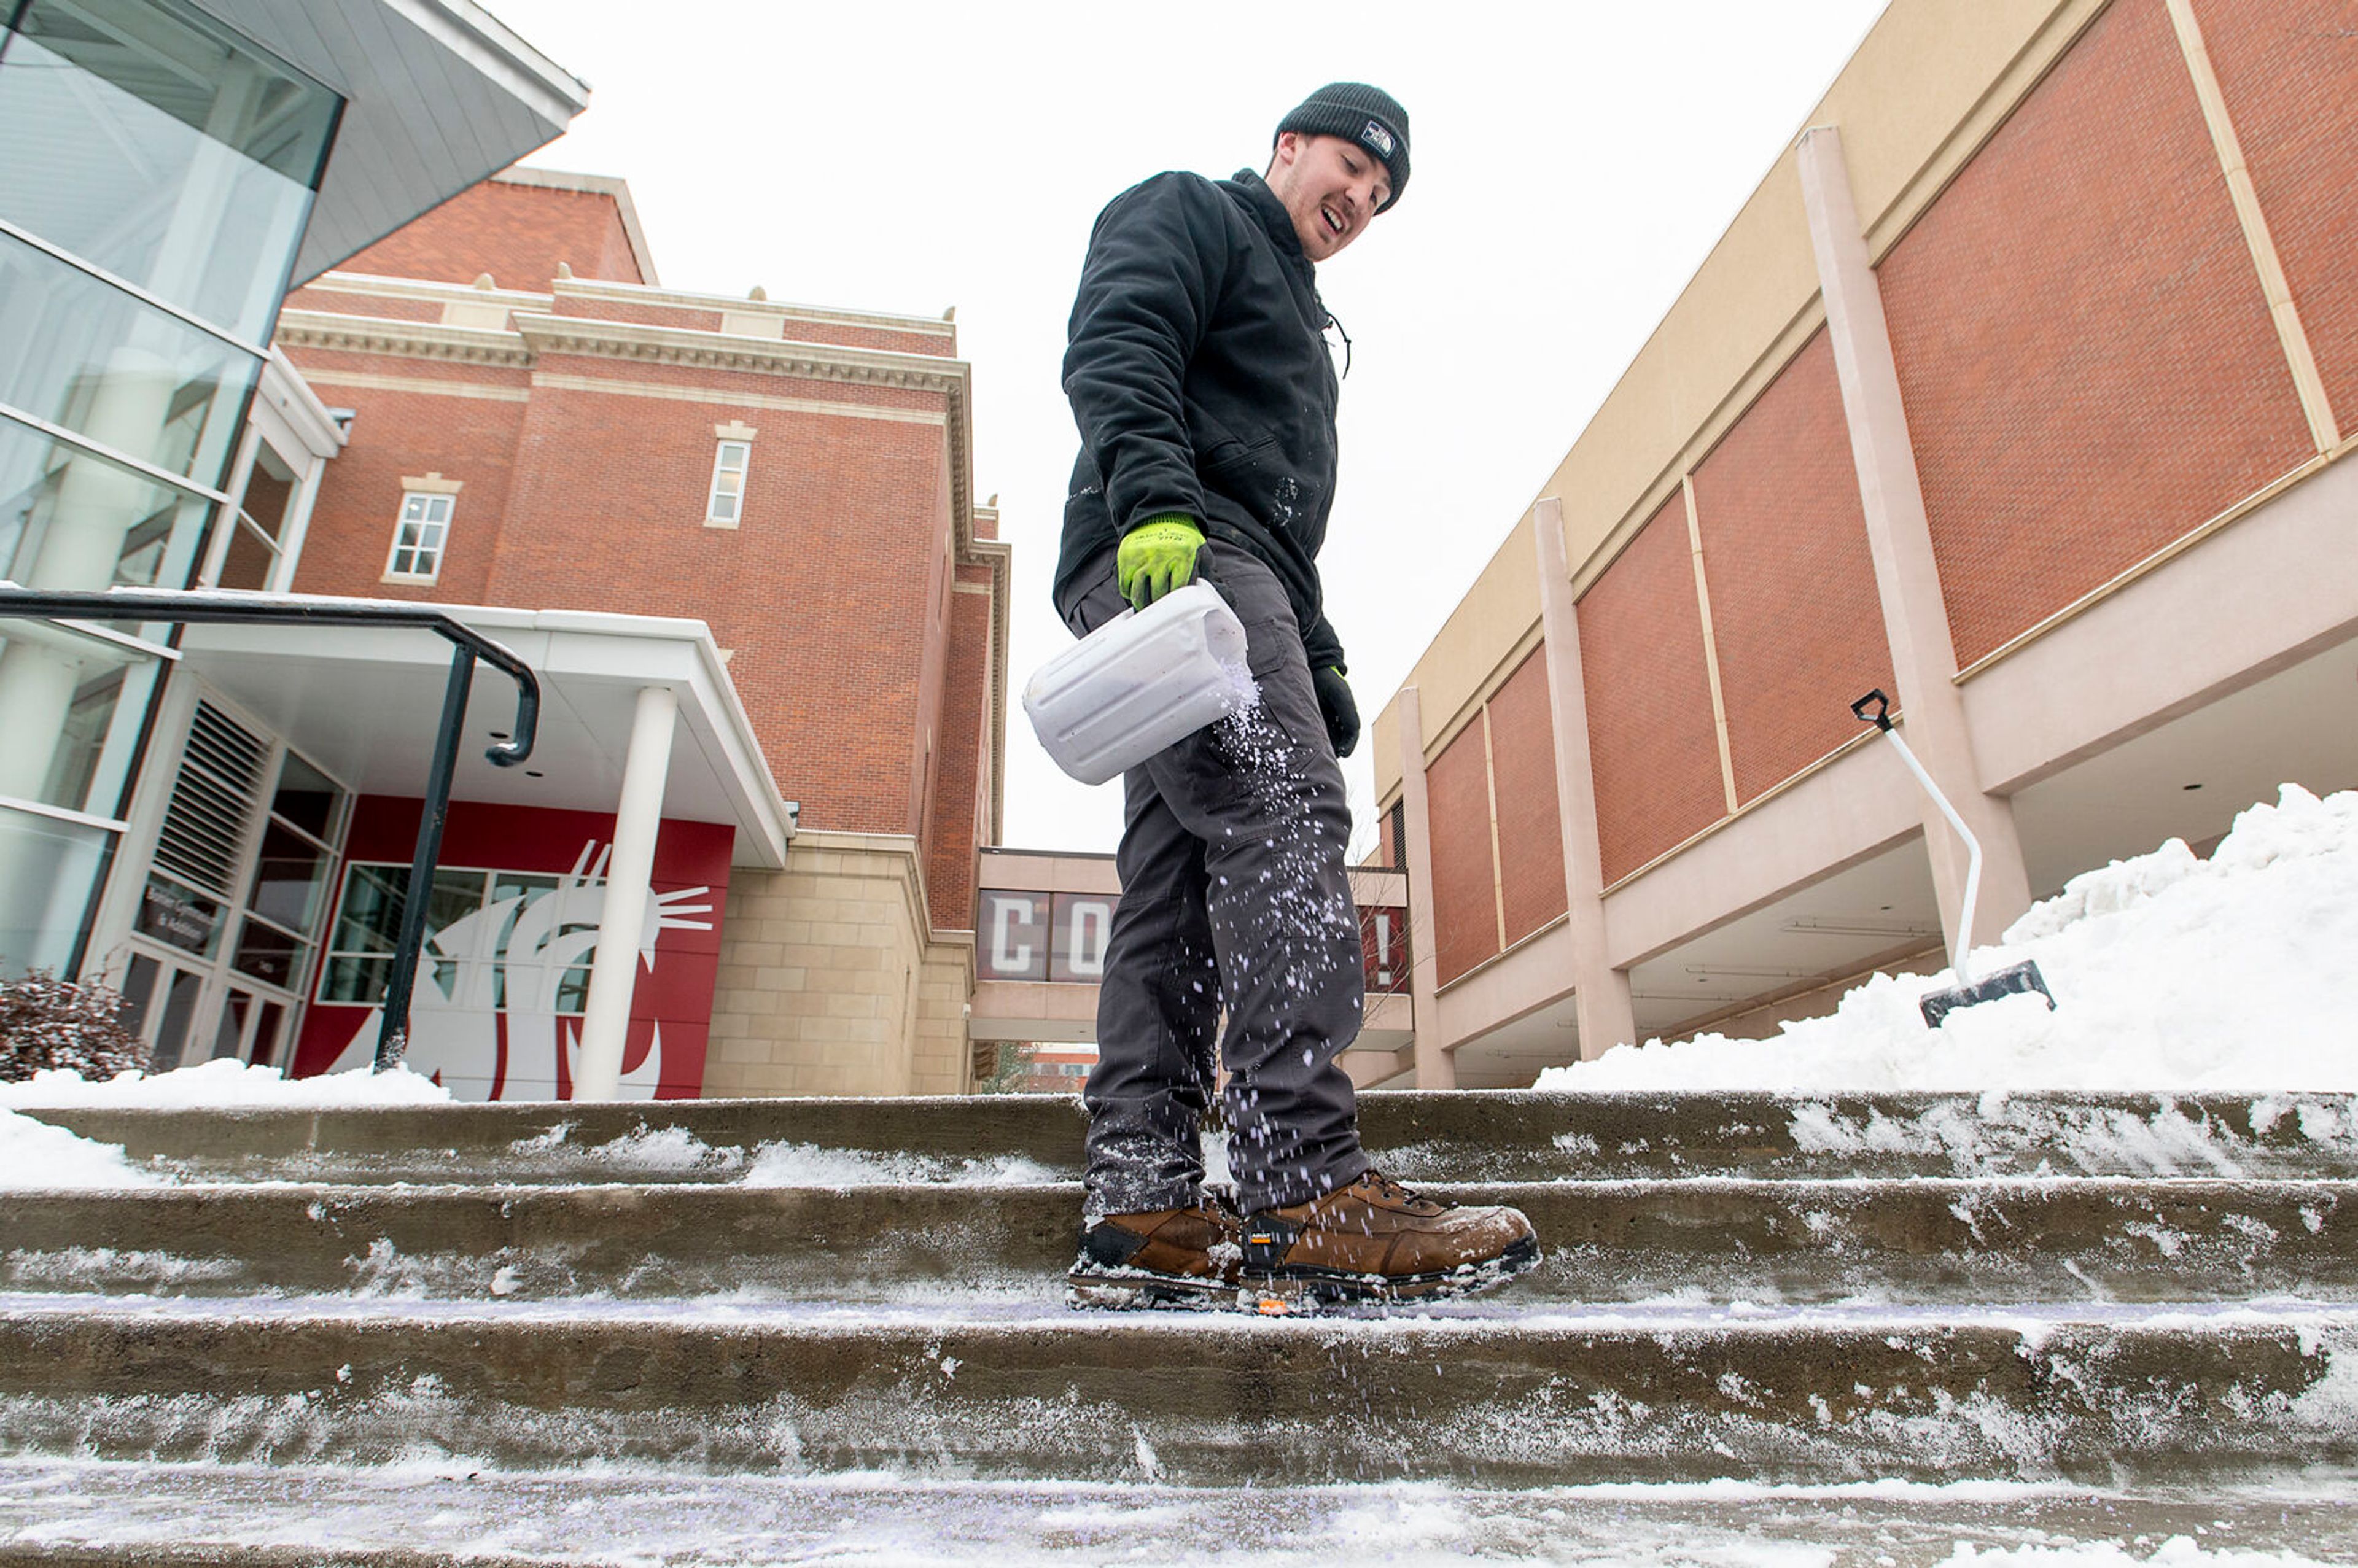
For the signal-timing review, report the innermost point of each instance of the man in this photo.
(1199, 375)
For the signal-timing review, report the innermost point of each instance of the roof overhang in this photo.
(365, 703)
(440, 95)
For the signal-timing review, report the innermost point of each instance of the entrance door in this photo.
(230, 911)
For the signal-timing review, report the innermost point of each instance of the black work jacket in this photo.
(1198, 373)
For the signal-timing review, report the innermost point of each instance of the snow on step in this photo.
(1921, 1239)
(2111, 1396)
(421, 1515)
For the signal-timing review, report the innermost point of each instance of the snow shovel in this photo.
(2015, 979)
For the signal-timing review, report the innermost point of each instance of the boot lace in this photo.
(1391, 1191)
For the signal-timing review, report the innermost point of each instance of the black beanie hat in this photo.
(1357, 112)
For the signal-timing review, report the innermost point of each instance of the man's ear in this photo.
(1288, 148)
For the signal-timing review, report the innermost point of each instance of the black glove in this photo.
(1336, 707)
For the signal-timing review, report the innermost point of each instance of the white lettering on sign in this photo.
(1007, 956)
(1086, 932)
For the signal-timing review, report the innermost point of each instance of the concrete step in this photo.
(2095, 1397)
(1487, 1135)
(1925, 1239)
(88, 1514)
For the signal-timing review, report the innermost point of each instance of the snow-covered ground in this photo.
(879, 1519)
(2170, 973)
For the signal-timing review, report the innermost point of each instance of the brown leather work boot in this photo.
(1173, 1257)
(1376, 1240)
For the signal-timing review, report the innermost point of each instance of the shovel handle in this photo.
(1881, 717)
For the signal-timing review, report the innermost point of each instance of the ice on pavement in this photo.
(2173, 973)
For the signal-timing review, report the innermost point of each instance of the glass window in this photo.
(308, 799)
(77, 763)
(729, 466)
(52, 874)
(180, 916)
(522, 954)
(73, 520)
(153, 141)
(269, 955)
(253, 548)
(368, 928)
(290, 879)
(81, 353)
(418, 537)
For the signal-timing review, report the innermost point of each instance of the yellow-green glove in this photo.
(1156, 556)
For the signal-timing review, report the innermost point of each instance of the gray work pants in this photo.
(1233, 895)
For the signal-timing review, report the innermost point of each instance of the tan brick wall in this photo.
(820, 988)
(941, 1062)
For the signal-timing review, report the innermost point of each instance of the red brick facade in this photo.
(1795, 618)
(1464, 888)
(2289, 72)
(1654, 746)
(584, 440)
(518, 233)
(2084, 349)
(1530, 828)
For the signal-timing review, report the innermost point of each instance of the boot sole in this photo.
(1135, 1289)
(1316, 1285)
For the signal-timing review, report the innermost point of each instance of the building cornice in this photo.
(535, 334)
(407, 339)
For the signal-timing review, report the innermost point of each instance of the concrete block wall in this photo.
(822, 964)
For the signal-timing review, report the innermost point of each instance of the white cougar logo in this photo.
(495, 1033)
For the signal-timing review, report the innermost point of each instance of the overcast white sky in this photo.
(1571, 165)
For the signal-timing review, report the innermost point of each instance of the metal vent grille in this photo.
(213, 802)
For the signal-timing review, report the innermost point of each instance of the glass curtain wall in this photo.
(159, 170)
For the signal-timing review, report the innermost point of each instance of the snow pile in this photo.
(226, 1084)
(2172, 973)
(35, 1155)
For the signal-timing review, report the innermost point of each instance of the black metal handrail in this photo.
(466, 647)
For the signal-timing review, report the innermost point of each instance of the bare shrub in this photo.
(48, 1023)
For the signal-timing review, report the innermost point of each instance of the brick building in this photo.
(2020, 390)
(579, 437)
(737, 542)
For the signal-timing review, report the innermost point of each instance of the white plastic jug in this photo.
(1142, 680)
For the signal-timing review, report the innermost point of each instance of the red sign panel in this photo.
(513, 919)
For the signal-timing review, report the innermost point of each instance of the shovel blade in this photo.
(2015, 979)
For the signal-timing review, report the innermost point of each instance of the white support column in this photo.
(1435, 1067)
(1601, 999)
(615, 969)
(1899, 537)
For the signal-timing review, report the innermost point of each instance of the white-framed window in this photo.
(418, 538)
(725, 507)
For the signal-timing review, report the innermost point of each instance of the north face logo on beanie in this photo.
(1376, 136)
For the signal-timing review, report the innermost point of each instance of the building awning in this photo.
(365, 703)
(440, 95)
